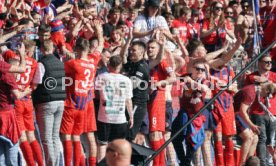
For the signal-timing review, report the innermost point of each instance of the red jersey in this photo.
(182, 29)
(213, 38)
(161, 71)
(246, 95)
(194, 31)
(255, 108)
(225, 100)
(23, 80)
(81, 72)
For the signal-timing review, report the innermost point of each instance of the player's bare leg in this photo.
(170, 152)
(247, 139)
(101, 151)
(206, 148)
(92, 159)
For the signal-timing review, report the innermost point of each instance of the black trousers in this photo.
(138, 117)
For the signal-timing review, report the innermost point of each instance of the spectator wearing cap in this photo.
(145, 25)
(58, 37)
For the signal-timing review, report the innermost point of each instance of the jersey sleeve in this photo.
(9, 79)
(69, 67)
(96, 56)
(272, 77)
(247, 98)
(4, 67)
(165, 67)
(249, 79)
(161, 22)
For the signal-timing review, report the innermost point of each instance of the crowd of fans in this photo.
(89, 72)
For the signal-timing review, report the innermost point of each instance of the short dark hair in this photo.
(184, 11)
(33, 13)
(266, 55)
(231, 3)
(44, 28)
(25, 21)
(193, 45)
(252, 161)
(47, 45)
(114, 10)
(140, 44)
(115, 61)
(82, 44)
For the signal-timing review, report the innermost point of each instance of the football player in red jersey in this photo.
(24, 110)
(80, 73)
(161, 74)
(90, 117)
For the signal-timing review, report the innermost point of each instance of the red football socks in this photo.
(155, 145)
(219, 153)
(92, 161)
(229, 150)
(27, 153)
(67, 146)
(162, 154)
(77, 152)
(82, 160)
(37, 152)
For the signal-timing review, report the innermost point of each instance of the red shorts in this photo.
(227, 124)
(157, 112)
(90, 118)
(72, 122)
(24, 114)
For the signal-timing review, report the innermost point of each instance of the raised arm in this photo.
(206, 32)
(185, 53)
(124, 50)
(225, 58)
(99, 31)
(22, 66)
(213, 55)
(161, 53)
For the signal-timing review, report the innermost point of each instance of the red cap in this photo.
(9, 54)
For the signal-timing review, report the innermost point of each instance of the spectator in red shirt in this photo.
(214, 28)
(261, 76)
(242, 101)
(194, 25)
(180, 25)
